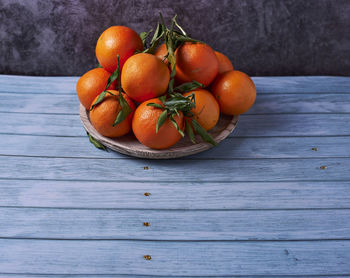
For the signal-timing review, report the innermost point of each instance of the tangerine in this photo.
(235, 92)
(207, 111)
(224, 62)
(196, 61)
(117, 40)
(103, 115)
(161, 52)
(91, 84)
(144, 76)
(144, 126)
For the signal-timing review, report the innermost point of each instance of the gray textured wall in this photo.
(262, 37)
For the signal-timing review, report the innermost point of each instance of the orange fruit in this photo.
(235, 92)
(161, 53)
(117, 40)
(144, 76)
(144, 126)
(224, 62)
(196, 61)
(91, 84)
(207, 111)
(103, 115)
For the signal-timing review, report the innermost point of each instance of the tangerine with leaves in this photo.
(196, 61)
(117, 40)
(104, 114)
(91, 84)
(206, 111)
(144, 76)
(235, 92)
(144, 125)
(224, 62)
(161, 53)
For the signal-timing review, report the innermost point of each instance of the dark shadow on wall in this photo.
(261, 37)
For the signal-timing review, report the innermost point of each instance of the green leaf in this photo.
(161, 19)
(114, 75)
(96, 143)
(111, 79)
(157, 105)
(203, 133)
(144, 35)
(124, 112)
(161, 119)
(176, 102)
(180, 38)
(176, 125)
(189, 131)
(120, 89)
(157, 36)
(159, 31)
(172, 74)
(99, 99)
(189, 86)
(99, 65)
(162, 98)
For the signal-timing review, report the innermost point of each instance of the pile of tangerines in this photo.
(161, 87)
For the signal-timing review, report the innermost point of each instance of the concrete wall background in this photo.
(261, 37)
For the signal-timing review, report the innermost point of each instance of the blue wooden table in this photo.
(273, 200)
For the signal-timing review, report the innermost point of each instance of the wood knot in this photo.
(314, 149)
(147, 257)
(323, 167)
(147, 224)
(147, 194)
(145, 168)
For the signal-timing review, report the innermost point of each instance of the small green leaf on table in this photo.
(203, 133)
(96, 143)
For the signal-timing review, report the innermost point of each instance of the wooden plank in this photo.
(275, 84)
(184, 225)
(233, 147)
(37, 84)
(306, 103)
(180, 195)
(57, 125)
(176, 170)
(175, 258)
(38, 103)
(265, 103)
(6, 275)
(302, 84)
(248, 125)
(175, 196)
(293, 125)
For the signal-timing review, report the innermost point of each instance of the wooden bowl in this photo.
(129, 145)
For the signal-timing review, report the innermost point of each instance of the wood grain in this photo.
(259, 205)
(249, 125)
(175, 258)
(233, 147)
(6, 275)
(184, 171)
(174, 225)
(178, 195)
(38, 84)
